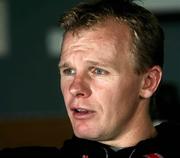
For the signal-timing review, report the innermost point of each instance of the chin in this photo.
(85, 131)
(87, 135)
(83, 135)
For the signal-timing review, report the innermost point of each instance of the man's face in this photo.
(98, 81)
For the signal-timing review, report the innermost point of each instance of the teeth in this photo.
(80, 110)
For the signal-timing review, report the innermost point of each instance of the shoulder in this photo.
(77, 147)
(164, 143)
(168, 137)
(30, 151)
(169, 130)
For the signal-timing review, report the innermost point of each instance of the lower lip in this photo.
(83, 115)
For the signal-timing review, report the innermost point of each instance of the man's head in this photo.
(110, 67)
(147, 34)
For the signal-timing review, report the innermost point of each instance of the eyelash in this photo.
(98, 71)
(94, 70)
(68, 72)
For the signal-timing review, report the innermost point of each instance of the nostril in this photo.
(80, 87)
(80, 90)
(79, 95)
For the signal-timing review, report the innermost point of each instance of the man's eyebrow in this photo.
(100, 63)
(92, 62)
(63, 65)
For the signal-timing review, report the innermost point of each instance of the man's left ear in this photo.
(151, 81)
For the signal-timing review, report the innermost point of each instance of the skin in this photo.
(105, 99)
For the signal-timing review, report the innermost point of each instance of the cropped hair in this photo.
(147, 34)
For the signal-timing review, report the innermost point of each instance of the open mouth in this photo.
(82, 113)
(81, 110)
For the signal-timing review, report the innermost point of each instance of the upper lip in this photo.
(78, 107)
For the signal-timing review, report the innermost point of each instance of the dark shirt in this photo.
(164, 145)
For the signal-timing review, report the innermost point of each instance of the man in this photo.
(111, 64)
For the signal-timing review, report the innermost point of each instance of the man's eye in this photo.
(69, 72)
(99, 71)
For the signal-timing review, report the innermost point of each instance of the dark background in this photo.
(29, 79)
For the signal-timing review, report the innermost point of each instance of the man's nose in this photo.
(80, 88)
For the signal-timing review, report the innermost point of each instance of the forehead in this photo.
(109, 27)
(111, 35)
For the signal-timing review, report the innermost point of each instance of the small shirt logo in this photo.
(85, 156)
(154, 155)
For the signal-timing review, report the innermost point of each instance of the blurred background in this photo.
(31, 105)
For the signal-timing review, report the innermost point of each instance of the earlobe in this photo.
(151, 81)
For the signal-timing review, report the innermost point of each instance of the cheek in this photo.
(65, 83)
(103, 93)
(101, 88)
(64, 86)
(116, 93)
